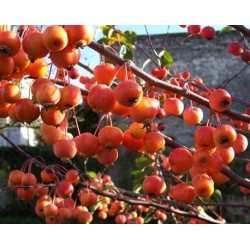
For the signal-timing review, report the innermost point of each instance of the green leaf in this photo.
(108, 187)
(92, 174)
(226, 29)
(128, 44)
(143, 161)
(131, 36)
(107, 60)
(105, 30)
(135, 172)
(104, 40)
(137, 187)
(127, 52)
(149, 216)
(166, 58)
(139, 176)
(217, 196)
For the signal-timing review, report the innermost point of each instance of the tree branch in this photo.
(156, 205)
(223, 204)
(86, 67)
(227, 81)
(235, 177)
(38, 163)
(241, 28)
(164, 85)
(150, 42)
(228, 172)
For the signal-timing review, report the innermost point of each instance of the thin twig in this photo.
(38, 163)
(227, 81)
(136, 45)
(86, 67)
(150, 42)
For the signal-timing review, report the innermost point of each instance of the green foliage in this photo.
(226, 29)
(143, 169)
(143, 161)
(126, 40)
(166, 58)
(130, 36)
(92, 174)
(217, 196)
(127, 52)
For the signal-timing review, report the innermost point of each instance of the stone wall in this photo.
(206, 59)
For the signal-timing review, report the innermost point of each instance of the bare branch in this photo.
(164, 207)
(150, 42)
(38, 163)
(226, 82)
(235, 177)
(86, 67)
(241, 28)
(223, 204)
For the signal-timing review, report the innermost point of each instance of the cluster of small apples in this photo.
(23, 53)
(123, 99)
(236, 49)
(65, 196)
(54, 202)
(212, 151)
(219, 99)
(173, 103)
(207, 32)
(214, 147)
(210, 154)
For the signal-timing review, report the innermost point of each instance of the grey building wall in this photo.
(206, 59)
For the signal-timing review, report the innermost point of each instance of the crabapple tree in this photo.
(172, 183)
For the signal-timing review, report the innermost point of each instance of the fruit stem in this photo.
(209, 119)
(76, 121)
(126, 72)
(50, 70)
(99, 124)
(217, 118)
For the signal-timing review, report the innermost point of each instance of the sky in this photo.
(90, 56)
(158, 29)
